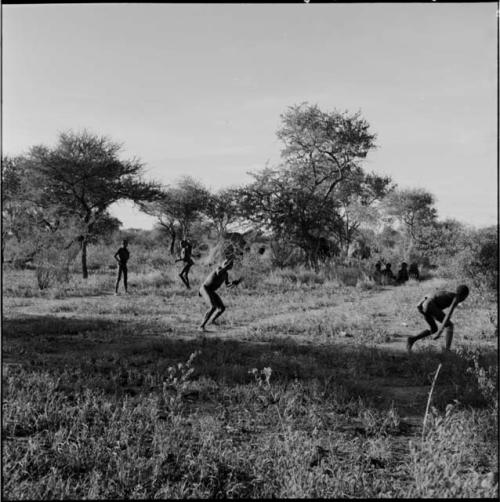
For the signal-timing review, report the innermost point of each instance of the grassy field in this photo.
(304, 390)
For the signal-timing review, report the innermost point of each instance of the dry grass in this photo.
(303, 391)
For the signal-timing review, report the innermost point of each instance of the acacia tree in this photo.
(178, 207)
(303, 200)
(27, 228)
(81, 177)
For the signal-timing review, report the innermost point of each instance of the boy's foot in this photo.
(409, 344)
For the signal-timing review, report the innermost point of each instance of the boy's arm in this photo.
(115, 257)
(235, 282)
(447, 318)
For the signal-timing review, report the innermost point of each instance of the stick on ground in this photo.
(429, 399)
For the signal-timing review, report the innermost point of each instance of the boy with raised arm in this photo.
(431, 307)
(213, 282)
(186, 249)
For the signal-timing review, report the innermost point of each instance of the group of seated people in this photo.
(386, 276)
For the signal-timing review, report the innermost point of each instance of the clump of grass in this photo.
(169, 431)
(457, 455)
(293, 276)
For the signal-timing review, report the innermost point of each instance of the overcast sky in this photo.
(198, 89)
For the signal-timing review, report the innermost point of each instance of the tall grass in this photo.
(183, 437)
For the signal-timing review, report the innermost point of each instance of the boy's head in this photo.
(462, 292)
(404, 265)
(125, 243)
(183, 243)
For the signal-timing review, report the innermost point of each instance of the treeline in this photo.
(318, 203)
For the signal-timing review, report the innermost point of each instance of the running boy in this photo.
(185, 257)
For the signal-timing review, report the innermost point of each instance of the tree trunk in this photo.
(172, 243)
(85, 272)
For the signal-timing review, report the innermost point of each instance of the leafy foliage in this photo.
(307, 201)
(78, 179)
(178, 207)
(222, 209)
(414, 208)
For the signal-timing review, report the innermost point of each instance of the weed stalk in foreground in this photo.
(429, 399)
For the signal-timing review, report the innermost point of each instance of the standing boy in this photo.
(122, 256)
(431, 307)
(213, 282)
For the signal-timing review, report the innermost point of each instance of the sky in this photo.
(198, 89)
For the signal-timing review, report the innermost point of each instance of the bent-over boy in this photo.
(431, 307)
(207, 290)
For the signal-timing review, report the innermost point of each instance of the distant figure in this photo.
(431, 307)
(185, 256)
(377, 275)
(413, 271)
(122, 256)
(387, 274)
(403, 274)
(213, 282)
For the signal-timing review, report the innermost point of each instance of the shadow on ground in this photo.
(103, 348)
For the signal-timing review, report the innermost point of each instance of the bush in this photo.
(477, 260)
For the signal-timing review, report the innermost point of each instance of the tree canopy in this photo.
(80, 178)
(307, 199)
(178, 207)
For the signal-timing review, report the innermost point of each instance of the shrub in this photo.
(477, 260)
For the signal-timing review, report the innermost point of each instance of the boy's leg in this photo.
(220, 306)
(449, 334)
(188, 268)
(423, 334)
(207, 317)
(184, 275)
(125, 279)
(208, 298)
(182, 278)
(118, 278)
